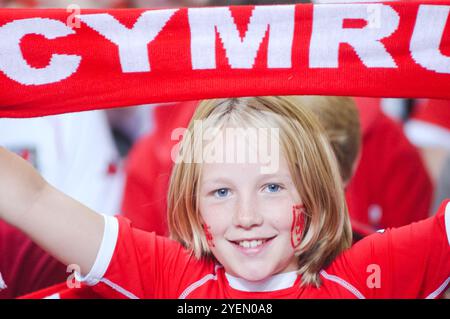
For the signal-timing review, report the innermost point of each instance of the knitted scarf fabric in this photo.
(55, 61)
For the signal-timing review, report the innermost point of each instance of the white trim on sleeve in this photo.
(343, 283)
(440, 289)
(447, 221)
(105, 253)
(199, 283)
(119, 289)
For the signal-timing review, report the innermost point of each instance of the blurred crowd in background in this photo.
(118, 161)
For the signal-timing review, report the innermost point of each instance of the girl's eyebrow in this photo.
(218, 180)
(286, 177)
(225, 180)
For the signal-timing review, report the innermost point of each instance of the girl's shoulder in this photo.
(412, 261)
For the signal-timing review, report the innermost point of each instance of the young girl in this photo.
(239, 231)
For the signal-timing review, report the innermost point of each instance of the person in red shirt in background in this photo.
(429, 129)
(30, 268)
(390, 187)
(149, 165)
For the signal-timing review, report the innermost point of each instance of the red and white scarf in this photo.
(53, 61)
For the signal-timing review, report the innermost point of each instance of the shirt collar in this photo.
(275, 282)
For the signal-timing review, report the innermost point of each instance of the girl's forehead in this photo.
(246, 171)
(250, 150)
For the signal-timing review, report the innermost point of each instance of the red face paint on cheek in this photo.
(208, 235)
(298, 223)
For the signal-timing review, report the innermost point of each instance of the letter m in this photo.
(242, 52)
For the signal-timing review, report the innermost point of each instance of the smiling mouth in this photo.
(252, 243)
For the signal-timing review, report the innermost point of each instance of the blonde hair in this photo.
(312, 165)
(339, 117)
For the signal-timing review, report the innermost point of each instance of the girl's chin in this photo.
(251, 274)
(256, 272)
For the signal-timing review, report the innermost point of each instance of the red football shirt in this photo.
(408, 262)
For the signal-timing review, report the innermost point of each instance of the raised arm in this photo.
(412, 261)
(65, 228)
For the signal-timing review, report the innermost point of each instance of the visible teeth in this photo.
(251, 243)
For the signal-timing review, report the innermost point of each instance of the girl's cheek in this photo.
(298, 224)
(208, 235)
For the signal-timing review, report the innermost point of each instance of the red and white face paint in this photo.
(298, 224)
(208, 235)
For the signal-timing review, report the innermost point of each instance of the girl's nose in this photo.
(246, 215)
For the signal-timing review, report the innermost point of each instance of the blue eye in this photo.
(273, 188)
(222, 192)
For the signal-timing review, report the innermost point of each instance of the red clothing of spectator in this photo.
(435, 112)
(24, 266)
(149, 166)
(429, 125)
(390, 187)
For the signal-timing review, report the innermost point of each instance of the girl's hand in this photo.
(68, 230)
